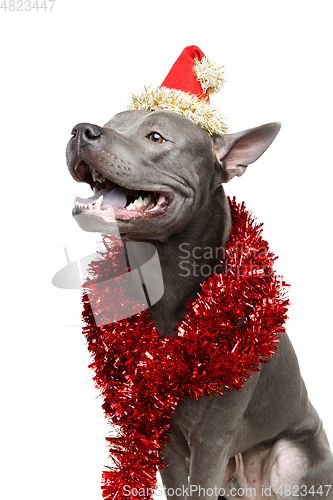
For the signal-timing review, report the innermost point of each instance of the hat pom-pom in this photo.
(210, 75)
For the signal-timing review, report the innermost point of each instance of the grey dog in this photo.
(165, 174)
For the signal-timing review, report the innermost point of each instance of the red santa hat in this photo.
(186, 90)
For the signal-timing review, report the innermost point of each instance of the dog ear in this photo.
(234, 152)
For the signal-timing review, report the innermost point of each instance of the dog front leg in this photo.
(209, 460)
(175, 476)
(176, 458)
(212, 423)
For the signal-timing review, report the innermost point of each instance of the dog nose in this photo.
(87, 132)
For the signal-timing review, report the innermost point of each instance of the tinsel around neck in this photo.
(230, 329)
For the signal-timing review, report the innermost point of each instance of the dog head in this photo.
(153, 172)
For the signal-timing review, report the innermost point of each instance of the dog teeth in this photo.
(97, 176)
(139, 204)
(98, 204)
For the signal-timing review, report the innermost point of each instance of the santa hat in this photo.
(186, 90)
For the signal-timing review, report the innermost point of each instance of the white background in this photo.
(79, 63)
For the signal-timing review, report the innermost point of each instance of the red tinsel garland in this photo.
(142, 376)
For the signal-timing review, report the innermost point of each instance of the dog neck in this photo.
(188, 258)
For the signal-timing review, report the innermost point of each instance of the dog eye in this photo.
(155, 137)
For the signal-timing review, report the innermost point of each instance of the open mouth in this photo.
(109, 197)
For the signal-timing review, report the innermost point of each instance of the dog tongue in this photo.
(114, 198)
(111, 198)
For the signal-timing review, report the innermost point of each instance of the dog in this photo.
(161, 177)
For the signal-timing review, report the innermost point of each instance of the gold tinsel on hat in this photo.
(210, 75)
(189, 105)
